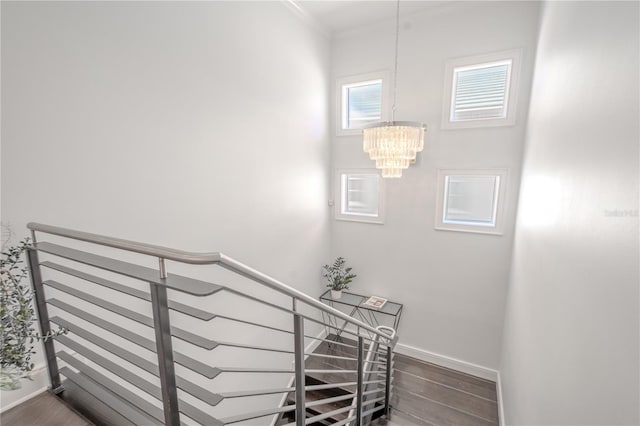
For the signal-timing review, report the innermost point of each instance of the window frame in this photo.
(511, 100)
(499, 204)
(339, 197)
(383, 76)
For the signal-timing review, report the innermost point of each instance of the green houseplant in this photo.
(338, 277)
(16, 318)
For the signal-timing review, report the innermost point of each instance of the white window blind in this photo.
(360, 194)
(480, 91)
(471, 200)
(362, 104)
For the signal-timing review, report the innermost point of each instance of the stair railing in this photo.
(166, 404)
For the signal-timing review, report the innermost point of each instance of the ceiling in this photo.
(336, 15)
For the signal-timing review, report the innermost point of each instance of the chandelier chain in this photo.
(395, 71)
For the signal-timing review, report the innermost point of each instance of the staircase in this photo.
(331, 406)
(145, 346)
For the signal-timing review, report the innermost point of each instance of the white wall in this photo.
(195, 125)
(453, 284)
(570, 351)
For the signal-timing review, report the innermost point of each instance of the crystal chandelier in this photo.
(393, 145)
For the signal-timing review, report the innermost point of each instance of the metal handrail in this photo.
(370, 364)
(214, 258)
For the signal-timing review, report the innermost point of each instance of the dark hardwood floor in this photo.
(43, 410)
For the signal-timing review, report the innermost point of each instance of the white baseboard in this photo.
(448, 362)
(34, 387)
(500, 402)
(23, 399)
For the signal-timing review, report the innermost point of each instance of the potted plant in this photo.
(16, 319)
(338, 277)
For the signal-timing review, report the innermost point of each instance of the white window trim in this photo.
(379, 220)
(513, 85)
(441, 225)
(360, 78)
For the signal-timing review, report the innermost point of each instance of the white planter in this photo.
(336, 294)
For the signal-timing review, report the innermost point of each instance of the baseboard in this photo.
(448, 362)
(38, 379)
(39, 383)
(500, 402)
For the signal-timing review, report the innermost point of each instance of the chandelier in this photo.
(393, 145)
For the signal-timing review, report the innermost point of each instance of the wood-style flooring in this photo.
(43, 410)
(427, 394)
(424, 394)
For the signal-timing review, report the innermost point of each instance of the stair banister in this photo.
(368, 373)
(212, 258)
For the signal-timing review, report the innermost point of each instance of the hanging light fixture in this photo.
(393, 145)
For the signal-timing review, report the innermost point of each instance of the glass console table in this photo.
(352, 304)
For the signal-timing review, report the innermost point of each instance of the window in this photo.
(481, 90)
(360, 196)
(362, 104)
(362, 101)
(471, 200)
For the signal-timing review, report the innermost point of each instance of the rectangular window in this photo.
(361, 195)
(362, 104)
(361, 101)
(470, 200)
(481, 90)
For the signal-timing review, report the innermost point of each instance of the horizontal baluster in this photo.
(240, 394)
(373, 410)
(131, 270)
(340, 423)
(116, 389)
(283, 309)
(345, 421)
(125, 409)
(186, 361)
(187, 386)
(189, 337)
(148, 321)
(321, 417)
(127, 375)
(373, 401)
(257, 414)
(178, 307)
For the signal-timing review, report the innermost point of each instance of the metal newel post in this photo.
(387, 393)
(298, 336)
(360, 387)
(162, 327)
(43, 319)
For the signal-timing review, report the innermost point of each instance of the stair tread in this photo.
(433, 412)
(464, 382)
(326, 378)
(324, 408)
(467, 402)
